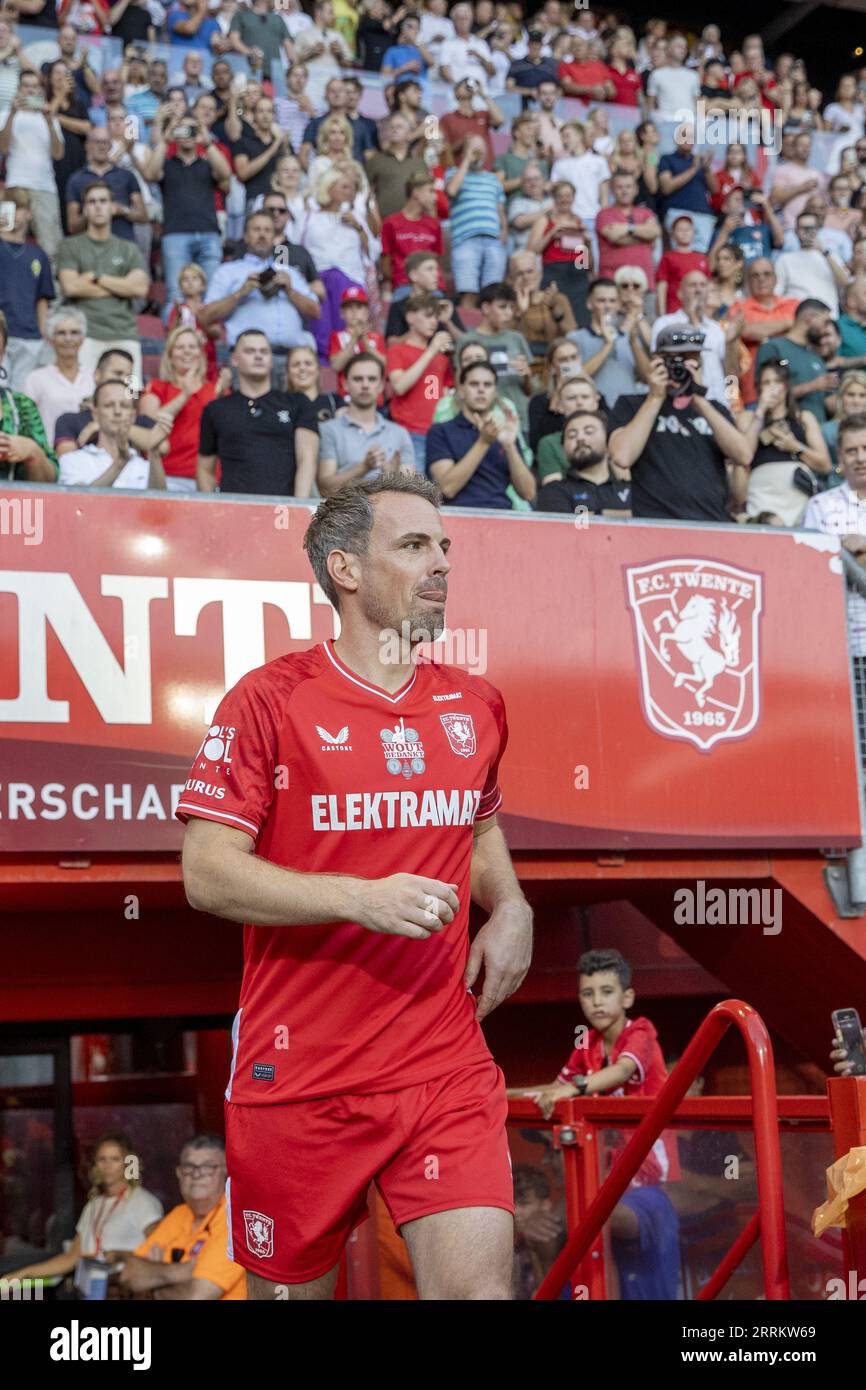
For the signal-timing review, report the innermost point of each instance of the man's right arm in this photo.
(222, 875)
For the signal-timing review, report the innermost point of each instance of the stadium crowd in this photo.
(218, 271)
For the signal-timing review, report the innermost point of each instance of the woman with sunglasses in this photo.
(791, 454)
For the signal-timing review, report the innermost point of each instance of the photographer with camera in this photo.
(190, 170)
(686, 455)
(718, 338)
(419, 371)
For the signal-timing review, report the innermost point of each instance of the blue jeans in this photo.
(188, 248)
(477, 262)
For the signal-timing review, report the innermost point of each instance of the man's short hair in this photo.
(418, 258)
(851, 424)
(259, 212)
(348, 79)
(475, 367)
(594, 962)
(19, 196)
(90, 188)
(420, 179)
(103, 386)
(811, 306)
(577, 414)
(805, 213)
(105, 357)
(204, 1140)
(361, 357)
(251, 333)
(603, 282)
(416, 302)
(498, 290)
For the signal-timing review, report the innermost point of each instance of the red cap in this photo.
(355, 295)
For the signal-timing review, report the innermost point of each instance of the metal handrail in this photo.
(768, 1157)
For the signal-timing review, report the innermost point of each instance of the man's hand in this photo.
(519, 364)
(251, 283)
(489, 430)
(504, 947)
(547, 1097)
(406, 905)
(16, 448)
(441, 341)
(374, 458)
(658, 379)
(137, 1273)
(445, 311)
(839, 1057)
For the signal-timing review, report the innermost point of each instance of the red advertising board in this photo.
(665, 685)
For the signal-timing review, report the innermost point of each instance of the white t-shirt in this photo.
(56, 395)
(675, 90)
(454, 55)
(835, 114)
(81, 467)
(806, 275)
(433, 32)
(119, 1225)
(29, 163)
(586, 173)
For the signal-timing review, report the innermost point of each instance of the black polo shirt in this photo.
(188, 196)
(452, 439)
(254, 439)
(122, 183)
(252, 147)
(681, 473)
(573, 491)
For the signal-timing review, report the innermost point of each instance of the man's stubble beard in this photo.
(419, 617)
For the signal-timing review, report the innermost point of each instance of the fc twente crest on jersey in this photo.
(696, 628)
(461, 733)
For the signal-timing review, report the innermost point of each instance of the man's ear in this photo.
(628, 998)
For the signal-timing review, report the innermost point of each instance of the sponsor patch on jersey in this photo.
(403, 749)
(264, 1071)
(338, 741)
(260, 1234)
(461, 733)
(216, 746)
(455, 695)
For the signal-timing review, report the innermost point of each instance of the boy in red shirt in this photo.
(675, 264)
(619, 1056)
(414, 228)
(357, 336)
(419, 371)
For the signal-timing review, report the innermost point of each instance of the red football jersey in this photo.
(330, 774)
(639, 1041)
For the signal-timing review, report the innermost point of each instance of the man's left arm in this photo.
(734, 445)
(504, 944)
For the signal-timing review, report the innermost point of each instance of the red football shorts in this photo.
(299, 1173)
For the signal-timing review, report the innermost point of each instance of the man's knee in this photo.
(261, 1290)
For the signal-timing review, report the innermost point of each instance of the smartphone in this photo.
(33, 103)
(266, 276)
(849, 1033)
(7, 217)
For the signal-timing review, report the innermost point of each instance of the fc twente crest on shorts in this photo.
(260, 1234)
(696, 629)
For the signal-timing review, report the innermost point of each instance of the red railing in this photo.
(768, 1221)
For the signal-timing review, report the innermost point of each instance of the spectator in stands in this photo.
(842, 512)
(127, 204)
(750, 225)
(573, 393)
(541, 315)
(295, 111)
(726, 287)
(132, 22)
(374, 33)
(115, 1219)
(470, 119)
(719, 346)
(359, 442)
(794, 181)
(261, 36)
(365, 131)
(265, 441)
(584, 76)
(333, 144)
(622, 1054)
(288, 252)
(841, 216)
(565, 246)
(176, 400)
(61, 386)
(527, 205)
(612, 348)
(473, 458)
(336, 103)
(852, 324)
(189, 25)
(686, 183)
(25, 454)
(523, 150)
(110, 460)
(255, 292)
(145, 105)
(194, 83)
(321, 47)
(831, 239)
(192, 283)
(508, 351)
(419, 371)
(13, 60)
(304, 375)
(256, 153)
(424, 275)
(30, 141)
(586, 171)
(790, 451)
(592, 482)
(677, 263)
(102, 274)
(502, 410)
(549, 124)
(74, 125)
(357, 336)
(405, 58)
(764, 314)
(478, 226)
(621, 74)
(850, 400)
(415, 228)
(390, 169)
(563, 360)
(626, 233)
(811, 272)
(79, 427)
(435, 28)
(673, 89)
(286, 180)
(184, 1257)
(527, 73)
(342, 247)
(26, 290)
(466, 55)
(189, 168)
(686, 455)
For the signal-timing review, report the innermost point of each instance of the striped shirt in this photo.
(840, 512)
(475, 210)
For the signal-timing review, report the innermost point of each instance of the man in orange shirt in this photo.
(184, 1256)
(765, 315)
(583, 76)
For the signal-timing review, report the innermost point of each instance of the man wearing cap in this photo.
(687, 458)
(716, 336)
(526, 74)
(356, 337)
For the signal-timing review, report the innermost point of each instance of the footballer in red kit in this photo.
(342, 805)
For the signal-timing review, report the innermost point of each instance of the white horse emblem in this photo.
(690, 631)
